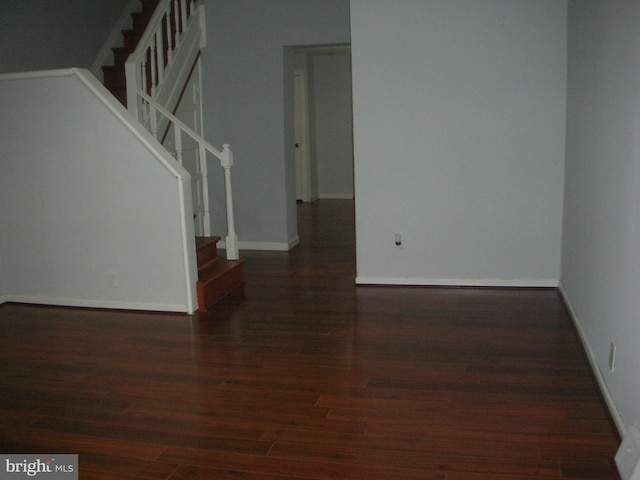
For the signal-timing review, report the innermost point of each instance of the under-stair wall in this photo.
(95, 213)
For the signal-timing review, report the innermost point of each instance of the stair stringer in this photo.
(217, 277)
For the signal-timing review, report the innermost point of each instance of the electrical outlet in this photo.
(113, 280)
(612, 357)
(397, 239)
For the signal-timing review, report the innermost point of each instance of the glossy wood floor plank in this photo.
(303, 375)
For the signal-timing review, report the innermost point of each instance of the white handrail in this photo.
(152, 108)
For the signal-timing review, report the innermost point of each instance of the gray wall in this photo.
(601, 235)
(87, 198)
(3, 287)
(248, 85)
(333, 125)
(459, 121)
(46, 34)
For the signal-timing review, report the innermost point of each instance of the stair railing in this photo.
(148, 65)
(162, 45)
(152, 111)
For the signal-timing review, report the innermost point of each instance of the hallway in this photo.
(306, 376)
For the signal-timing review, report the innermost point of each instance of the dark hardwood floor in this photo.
(306, 376)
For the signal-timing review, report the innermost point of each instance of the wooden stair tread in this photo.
(203, 241)
(222, 278)
(114, 75)
(213, 270)
(206, 250)
(217, 277)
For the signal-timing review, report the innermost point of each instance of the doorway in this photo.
(323, 123)
(301, 133)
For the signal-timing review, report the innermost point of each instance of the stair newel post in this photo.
(204, 185)
(232, 239)
(159, 56)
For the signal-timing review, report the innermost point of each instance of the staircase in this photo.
(217, 277)
(114, 75)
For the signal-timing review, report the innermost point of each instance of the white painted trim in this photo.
(622, 430)
(302, 135)
(265, 246)
(457, 282)
(336, 196)
(105, 304)
(63, 72)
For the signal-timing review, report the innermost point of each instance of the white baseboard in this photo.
(594, 366)
(266, 246)
(101, 304)
(628, 456)
(458, 282)
(335, 196)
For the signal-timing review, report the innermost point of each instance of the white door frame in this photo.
(301, 134)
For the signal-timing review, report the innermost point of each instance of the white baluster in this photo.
(232, 238)
(143, 68)
(176, 22)
(160, 55)
(154, 75)
(153, 120)
(145, 112)
(204, 173)
(177, 135)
